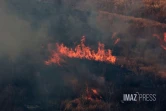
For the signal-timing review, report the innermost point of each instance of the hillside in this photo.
(82, 55)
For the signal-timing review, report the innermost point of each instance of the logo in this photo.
(139, 97)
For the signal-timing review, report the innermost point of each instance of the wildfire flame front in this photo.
(81, 51)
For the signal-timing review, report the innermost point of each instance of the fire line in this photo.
(81, 51)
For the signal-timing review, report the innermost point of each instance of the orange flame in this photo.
(116, 41)
(83, 52)
(92, 94)
(94, 91)
(54, 59)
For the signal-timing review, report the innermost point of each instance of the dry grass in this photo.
(131, 25)
(81, 104)
(152, 9)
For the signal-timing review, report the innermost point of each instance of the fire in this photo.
(116, 41)
(81, 51)
(54, 59)
(94, 91)
(92, 94)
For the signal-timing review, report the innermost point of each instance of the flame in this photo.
(94, 91)
(92, 94)
(54, 59)
(116, 41)
(81, 51)
(115, 38)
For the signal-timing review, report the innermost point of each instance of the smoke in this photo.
(17, 35)
(67, 21)
(21, 47)
(28, 26)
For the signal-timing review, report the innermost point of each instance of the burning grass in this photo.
(81, 51)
